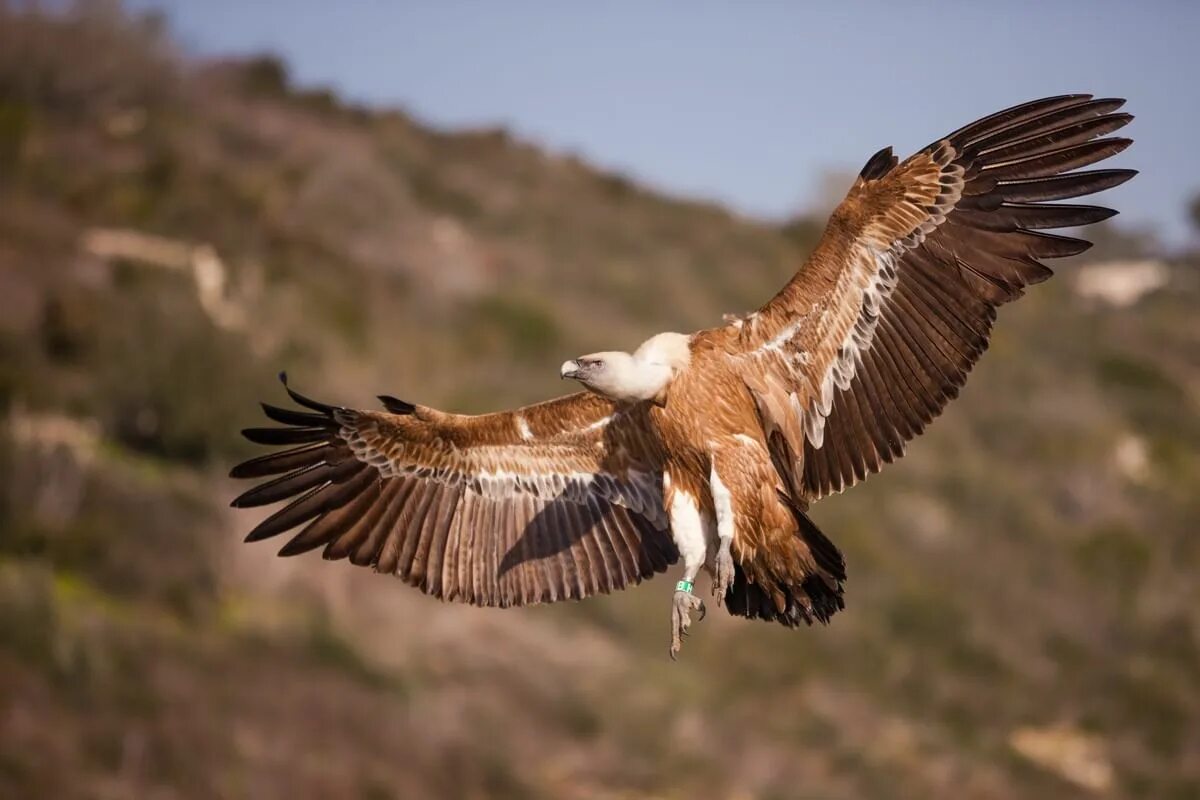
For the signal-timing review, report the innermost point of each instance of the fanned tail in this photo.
(816, 598)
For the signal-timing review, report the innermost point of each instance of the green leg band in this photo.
(684, 586)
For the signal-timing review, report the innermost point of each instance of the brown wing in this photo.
(877, 332)
(553, 501)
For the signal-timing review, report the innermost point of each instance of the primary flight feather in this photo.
(709, 447)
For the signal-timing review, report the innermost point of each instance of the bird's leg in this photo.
(682, 603)
(689, 531)
(723, 571)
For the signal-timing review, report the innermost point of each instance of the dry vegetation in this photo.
(1023, 604)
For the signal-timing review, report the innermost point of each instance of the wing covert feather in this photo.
(557, 500)
(878, 330)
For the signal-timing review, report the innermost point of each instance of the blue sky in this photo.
(746, 103)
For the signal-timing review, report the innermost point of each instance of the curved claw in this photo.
(681, 603)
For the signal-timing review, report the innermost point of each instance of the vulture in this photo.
(708, 448)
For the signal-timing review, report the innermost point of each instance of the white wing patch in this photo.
(850, 354)
(776, 343)
(749, 441)
(600, 423)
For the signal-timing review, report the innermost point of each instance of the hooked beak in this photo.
(570, 369)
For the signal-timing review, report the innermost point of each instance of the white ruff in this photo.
(642, 375)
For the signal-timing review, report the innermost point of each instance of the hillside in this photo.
(1023, 612)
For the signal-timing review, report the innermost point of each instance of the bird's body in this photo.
(710, 447)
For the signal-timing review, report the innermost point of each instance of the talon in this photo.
(703, 612)
(681, 622)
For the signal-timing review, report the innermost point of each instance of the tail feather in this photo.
(817, 597)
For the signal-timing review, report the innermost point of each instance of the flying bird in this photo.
(708, 448)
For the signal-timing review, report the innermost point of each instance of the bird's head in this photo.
(646, 374)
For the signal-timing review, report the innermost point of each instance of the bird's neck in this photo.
(648, 372)
(636, 379)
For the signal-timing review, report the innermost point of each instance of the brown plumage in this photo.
(480, 509)
(710, 447)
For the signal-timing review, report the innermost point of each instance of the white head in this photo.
(644, 375)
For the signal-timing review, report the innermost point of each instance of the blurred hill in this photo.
(1024, 613)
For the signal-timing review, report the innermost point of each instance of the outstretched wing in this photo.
(878, 330)
(558, 500)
